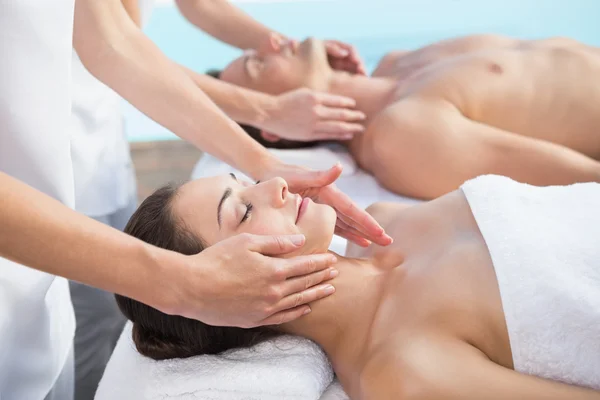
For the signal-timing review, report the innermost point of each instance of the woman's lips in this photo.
(302, 208)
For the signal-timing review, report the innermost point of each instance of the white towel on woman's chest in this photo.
(545, 246)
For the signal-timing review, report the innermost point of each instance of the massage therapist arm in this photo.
(229, 284)
(297, 115)
(116, 51)
(301, 114)
(226, 22)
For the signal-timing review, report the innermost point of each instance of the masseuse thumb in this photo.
(336, 50)
(320, 178)
(275, 245)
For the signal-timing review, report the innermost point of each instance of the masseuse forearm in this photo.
(241, 104)
(43, 234)
(133, 10)
(119, 54)
(225, 21)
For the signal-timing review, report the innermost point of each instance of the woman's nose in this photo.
(278, 191)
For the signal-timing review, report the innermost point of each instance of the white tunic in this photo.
(102, 167)
(36, 316)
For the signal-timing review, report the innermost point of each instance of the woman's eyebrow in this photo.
(226, 194)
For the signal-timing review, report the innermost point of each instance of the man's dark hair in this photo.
(156, 334)
(255, 133)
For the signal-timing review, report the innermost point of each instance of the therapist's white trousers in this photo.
(99, 321)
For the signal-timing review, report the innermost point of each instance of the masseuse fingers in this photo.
(283, 317)
(351, 234)
(333, 100)
(354, 216)
(301, 179)
(271, 245)
(347, 223)
(297, 285)
(285, 310)
(303, 265)
(337, 130)
(339, 114)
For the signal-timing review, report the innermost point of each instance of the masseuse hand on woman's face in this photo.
(249, 278)
(353, 223)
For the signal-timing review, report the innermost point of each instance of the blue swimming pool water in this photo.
(373, 26)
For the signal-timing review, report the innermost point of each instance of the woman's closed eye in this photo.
(249, 207)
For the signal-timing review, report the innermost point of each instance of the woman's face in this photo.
(280, 67)
(219, 207)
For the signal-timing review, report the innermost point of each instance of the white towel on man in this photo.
(545, 246)
(284, 368)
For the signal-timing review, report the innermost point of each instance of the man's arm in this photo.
(226, 22)
(119, 54)
(426, 148)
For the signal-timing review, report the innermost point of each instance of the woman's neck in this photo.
(371, 94)
(339, 323)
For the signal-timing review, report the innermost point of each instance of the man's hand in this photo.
(239, 282)
(353, 223)
(305, 115)
(344, 57)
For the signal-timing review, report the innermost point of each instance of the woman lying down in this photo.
(489, 292)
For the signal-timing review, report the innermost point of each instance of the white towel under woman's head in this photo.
(286, 367)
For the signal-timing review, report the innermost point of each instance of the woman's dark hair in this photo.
(254, 133)
(156, 334)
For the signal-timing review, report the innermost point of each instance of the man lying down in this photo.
(488, 292)
(457, 109)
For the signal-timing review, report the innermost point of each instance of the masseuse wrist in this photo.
(164, 275)
(264, 165)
